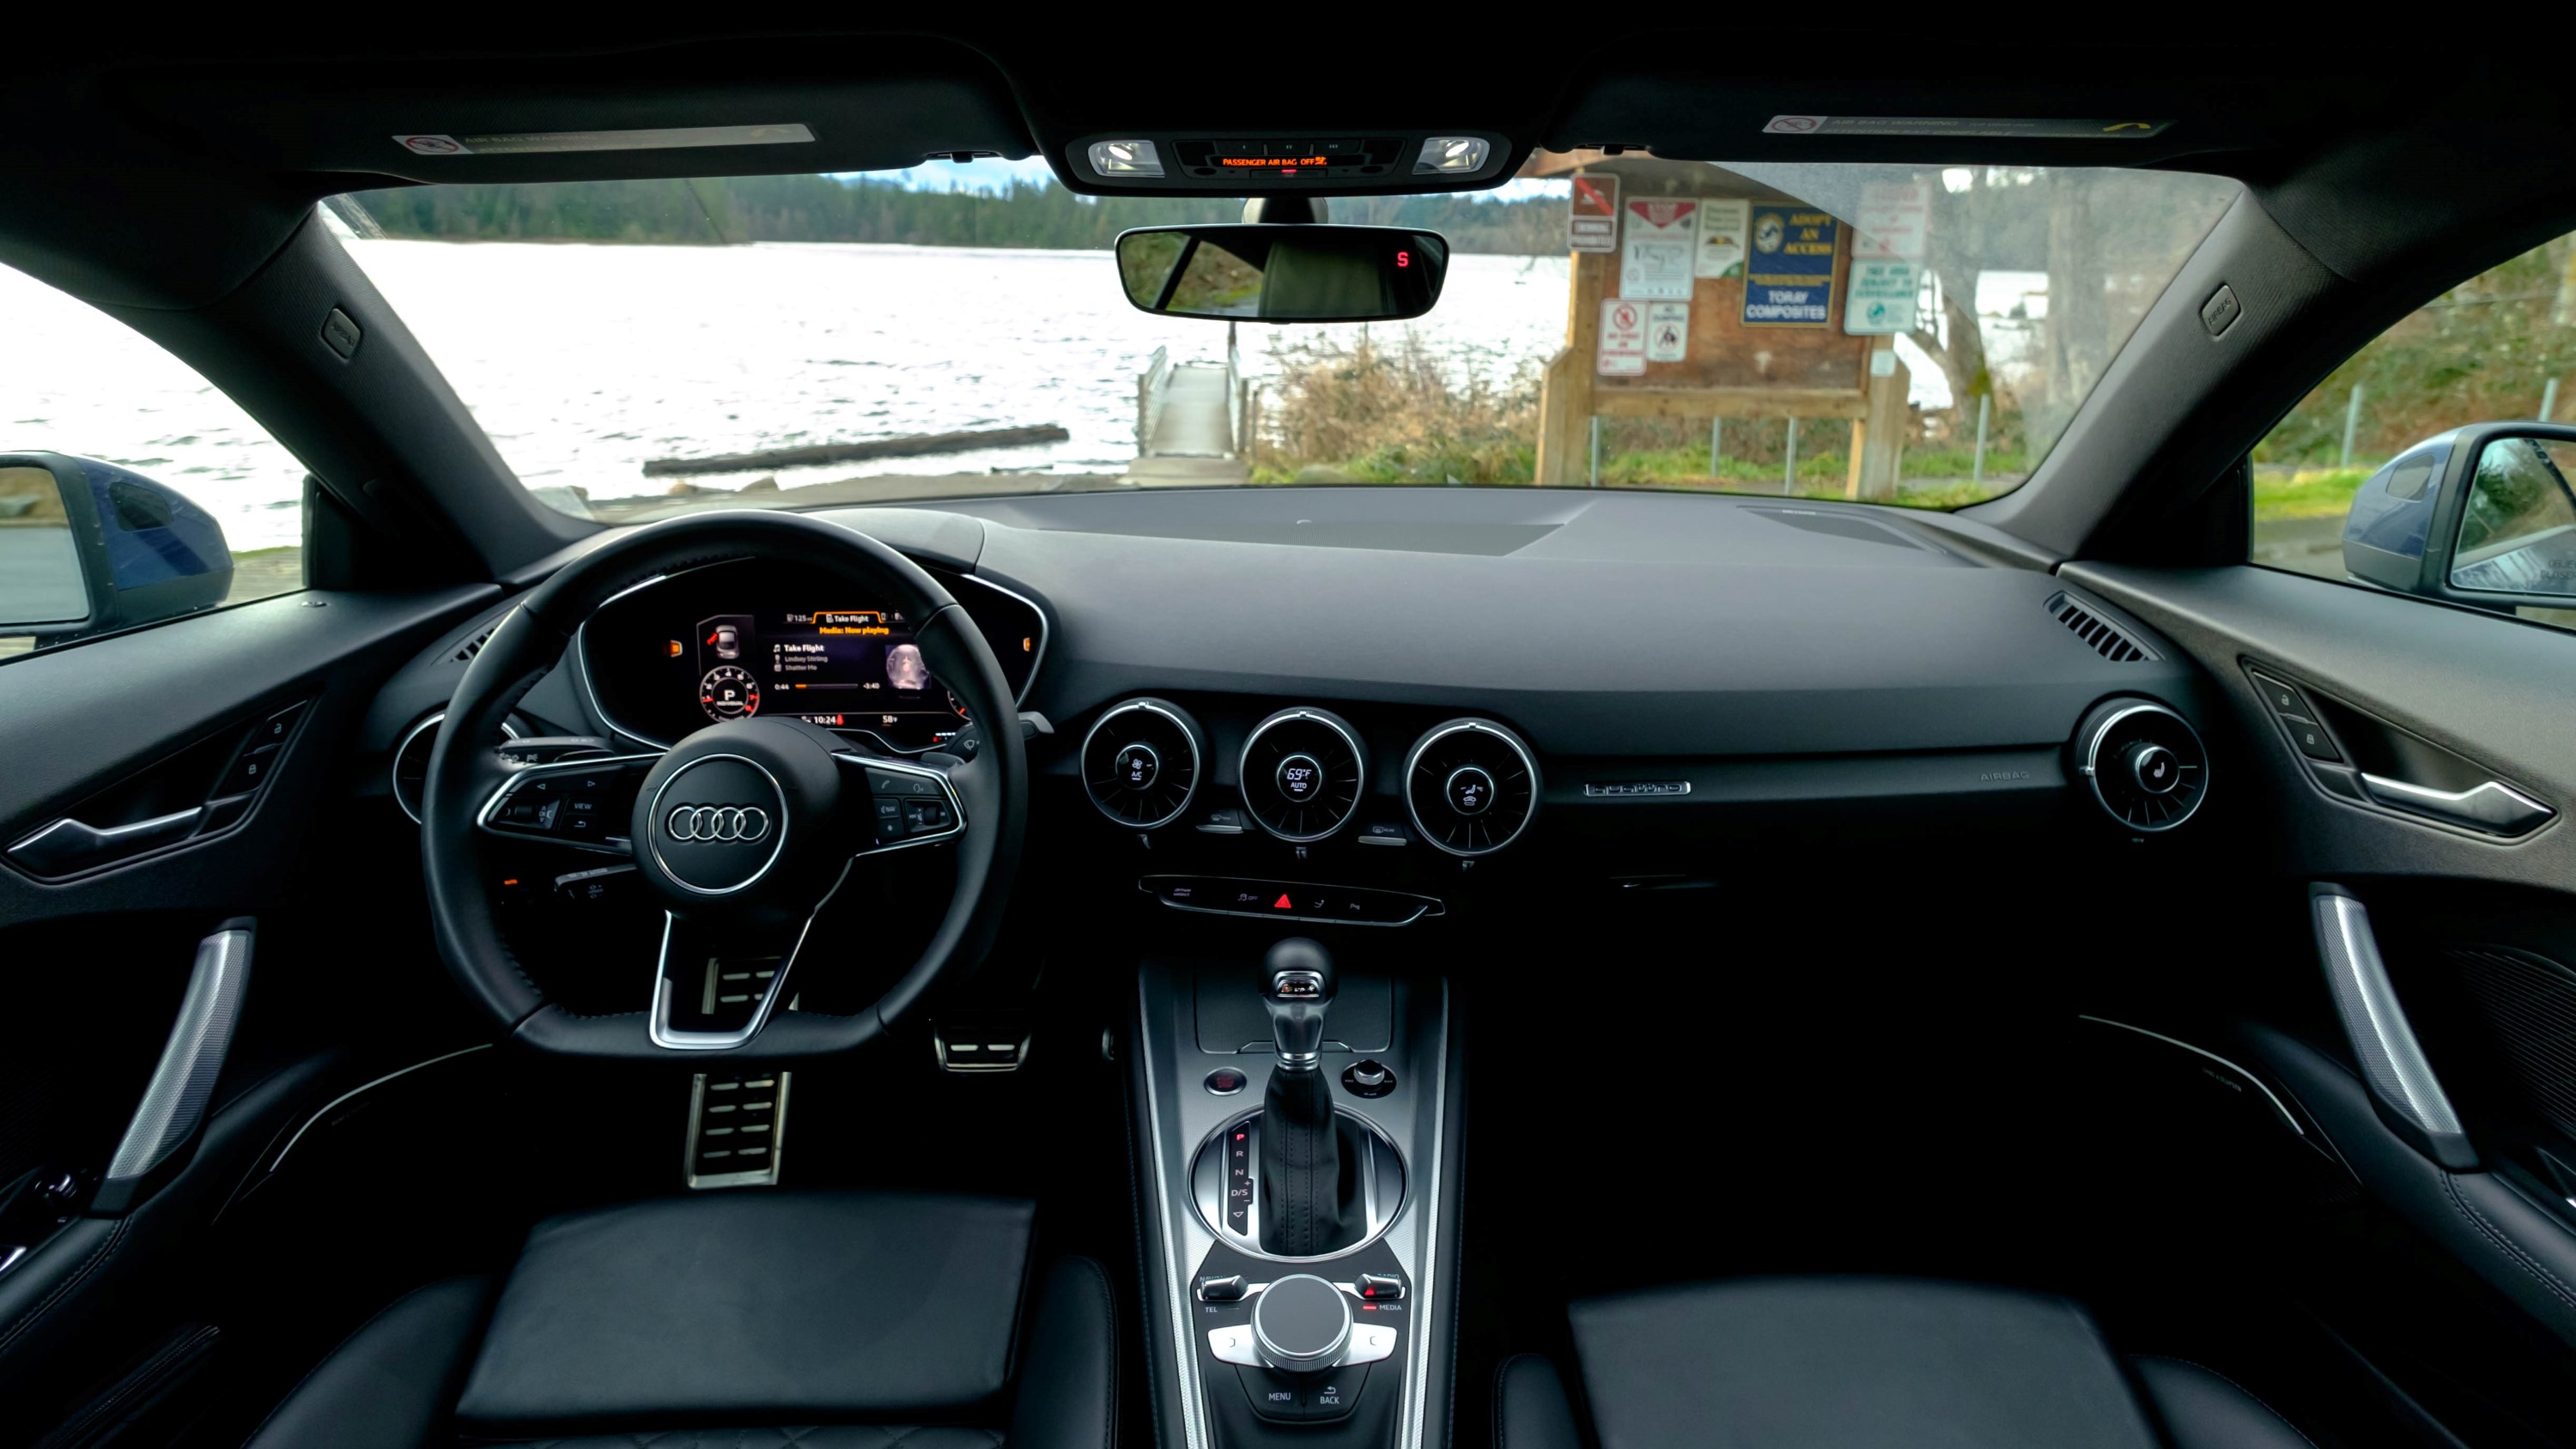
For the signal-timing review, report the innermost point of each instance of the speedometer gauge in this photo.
(729, 692)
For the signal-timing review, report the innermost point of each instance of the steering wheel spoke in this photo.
(580, 804)
(909, 802)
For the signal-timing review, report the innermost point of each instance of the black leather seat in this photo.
(827, 1320)
(1868, 1363)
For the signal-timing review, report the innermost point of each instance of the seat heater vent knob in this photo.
(1471, 786)
(1142, 763)
(2144, 763)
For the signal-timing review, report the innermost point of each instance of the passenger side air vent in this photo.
(1303, 773)
(2101, 635)
(2146, 766)
(1142, 761)
(1471, 786)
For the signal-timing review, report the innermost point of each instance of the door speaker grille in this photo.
(2530, 1005)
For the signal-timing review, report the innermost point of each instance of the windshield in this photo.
(1909, 335)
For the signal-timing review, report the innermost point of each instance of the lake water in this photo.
(583, 362)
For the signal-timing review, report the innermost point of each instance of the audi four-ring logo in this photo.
(717, 823)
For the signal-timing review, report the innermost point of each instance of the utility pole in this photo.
(2351, 425)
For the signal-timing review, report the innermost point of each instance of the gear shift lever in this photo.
(1307, 1197)
(1297, 981)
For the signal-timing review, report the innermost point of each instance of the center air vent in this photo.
(1142, 762)
(1471, 786)
(1304, 772)
(2146, 766)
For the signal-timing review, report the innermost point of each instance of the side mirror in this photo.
(1283, 273)
(2483, 516)
(87, 546)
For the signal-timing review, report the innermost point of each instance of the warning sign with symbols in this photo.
(1623, 339)
(1655, 261)
(1891, 221)
(1592, 215)
(1667, 331)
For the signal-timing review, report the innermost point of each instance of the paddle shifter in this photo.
(1309, 1183)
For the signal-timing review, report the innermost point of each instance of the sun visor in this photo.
(688, 111)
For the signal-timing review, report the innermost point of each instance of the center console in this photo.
(1300, 1171)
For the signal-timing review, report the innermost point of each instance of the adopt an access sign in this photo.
(1789, 268)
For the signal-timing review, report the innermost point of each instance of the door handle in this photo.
(183, 1084)
(2496, 808)
(2403, 1090)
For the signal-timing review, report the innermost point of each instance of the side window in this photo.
(2437, 460)
(131, 490)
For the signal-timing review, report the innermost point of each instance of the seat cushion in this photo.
(754, 1308)
(1852, 1363)
(388, 1385)
(1868, 1363)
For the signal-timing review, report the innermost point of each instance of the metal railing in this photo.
(1151, 388)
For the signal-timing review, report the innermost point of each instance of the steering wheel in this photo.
(742, 831)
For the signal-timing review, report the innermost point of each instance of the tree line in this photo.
(723, 210)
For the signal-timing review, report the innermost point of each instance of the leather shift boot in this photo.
(1309, 1186)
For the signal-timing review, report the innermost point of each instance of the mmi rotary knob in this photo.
(1301, 1324)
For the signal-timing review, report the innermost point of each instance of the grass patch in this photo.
(2306, 492)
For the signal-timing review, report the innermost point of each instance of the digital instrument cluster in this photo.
(854, 669)
(726, 643)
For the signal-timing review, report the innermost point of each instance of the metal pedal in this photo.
(737, 1129)
(981, 1042)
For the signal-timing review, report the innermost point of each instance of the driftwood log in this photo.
(916, 445)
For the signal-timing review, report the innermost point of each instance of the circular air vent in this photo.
(1471, 786)
(1141, 763)
(1304, 772)
(2146, 766)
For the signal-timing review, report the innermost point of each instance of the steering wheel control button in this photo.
(1368, 1077)
(1301, 1323)
(1137, 767)
(718, 824)
(1300, 778)
(1234, 1345)
(1470, 791)
(1226, 1081)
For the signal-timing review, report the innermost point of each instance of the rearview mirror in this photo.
(1283, 273)
(2482, 515)
(87, 546)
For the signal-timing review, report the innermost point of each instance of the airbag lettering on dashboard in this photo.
(1635, 789)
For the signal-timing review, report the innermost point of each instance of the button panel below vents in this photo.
(2099, 634)
(737, 1128)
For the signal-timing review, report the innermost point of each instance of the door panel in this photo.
(99, 960)
(2474, 919)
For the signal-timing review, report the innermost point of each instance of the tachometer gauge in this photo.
(956, 704)
(729, 692)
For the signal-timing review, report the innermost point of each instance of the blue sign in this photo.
(1789, 267)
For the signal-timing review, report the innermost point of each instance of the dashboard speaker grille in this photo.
(1304, 771)
(1142, 762)
(1471, 786)
(2099, 634)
